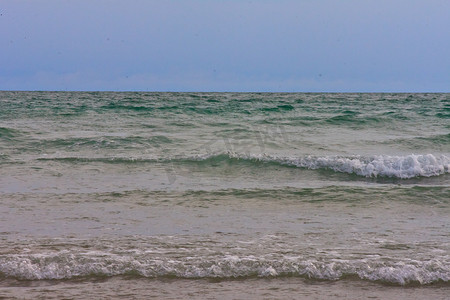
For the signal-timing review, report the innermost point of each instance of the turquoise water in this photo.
(350, 188)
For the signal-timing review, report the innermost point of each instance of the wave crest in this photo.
(403, 167)
(68, 265)
(382, 165)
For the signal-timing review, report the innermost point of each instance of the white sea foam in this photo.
(404, 167)
(67, 266)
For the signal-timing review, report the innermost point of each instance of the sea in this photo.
(138, 195)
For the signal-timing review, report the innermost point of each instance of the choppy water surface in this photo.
(283, 193)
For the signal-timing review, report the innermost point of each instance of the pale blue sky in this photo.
(228, 45)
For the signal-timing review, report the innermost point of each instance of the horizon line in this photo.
(236, 92)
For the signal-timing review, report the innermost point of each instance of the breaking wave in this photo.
(66, 265)
(376, 166)
(402, 167)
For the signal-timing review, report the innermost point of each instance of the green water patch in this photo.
(421, 195)
(124, 107)
(439, 142)
(278, 108)
(352, 120)
(441, 115)
(102, 142)
(9, 134)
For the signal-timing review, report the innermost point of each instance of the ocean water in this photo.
(224, 195)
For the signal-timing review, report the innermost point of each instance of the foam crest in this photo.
(403, 167)
(382, 165)
(67, 266)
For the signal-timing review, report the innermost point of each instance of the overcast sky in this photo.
(226, 45)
